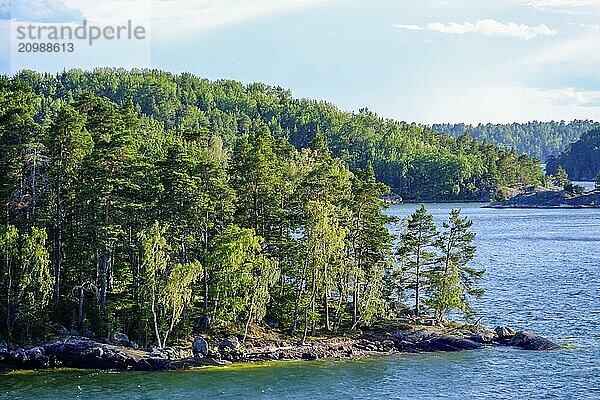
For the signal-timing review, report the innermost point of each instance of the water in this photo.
(543, 275)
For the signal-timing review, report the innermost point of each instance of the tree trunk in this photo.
(58, 245)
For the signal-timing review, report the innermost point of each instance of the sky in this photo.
(425, 61)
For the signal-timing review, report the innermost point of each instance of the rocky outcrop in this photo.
(546, 198)
(78, 352)
(529, 341)
(89, 354)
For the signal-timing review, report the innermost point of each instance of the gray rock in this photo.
(119, 339)
(484, 335)
(229, 344)
(200, 346)
(504, 332)
(60, 330)
(447, 343)
(530, 341)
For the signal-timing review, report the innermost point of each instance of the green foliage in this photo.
(417, 251)
(581, 159)
(437, 263)
(561, 178)
(452, 281)
(168, 285)
(173, 204)
(240, 275)
(538, 139)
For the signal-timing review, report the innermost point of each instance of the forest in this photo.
(537, 139)
(580, 160)
(157, 204)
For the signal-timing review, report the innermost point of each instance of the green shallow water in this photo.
(543, 275)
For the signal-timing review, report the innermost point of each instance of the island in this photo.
(550, 198)
(145, 211)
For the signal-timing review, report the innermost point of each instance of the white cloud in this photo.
(486, 27)
(409, 27)
(38, 11)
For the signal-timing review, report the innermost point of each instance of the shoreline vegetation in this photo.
(146, 205)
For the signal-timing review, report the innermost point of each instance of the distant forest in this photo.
(581, 160)
(416, 162)
(537, 139)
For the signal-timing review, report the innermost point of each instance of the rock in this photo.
(119, 339)
(87, 333)
(60, 330)
(200, 346)
(229, 344)
(36, 358)
(74, 332)
(530, 341)
(484, 335)
(504, 332)
(309, 356)
(447, 343)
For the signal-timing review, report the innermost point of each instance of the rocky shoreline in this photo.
(85, 353)
(547, 198)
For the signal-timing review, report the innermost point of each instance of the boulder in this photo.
(447, 343)
(530, 341)
(484, 335)
(60, 330)
(200, 346)
(119, 339)
(229, 344)
(309, 356)
(504, 332)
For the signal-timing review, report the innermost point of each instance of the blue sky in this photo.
(415, 60)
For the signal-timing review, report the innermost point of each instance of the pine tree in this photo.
(452, 281)
(416, 251)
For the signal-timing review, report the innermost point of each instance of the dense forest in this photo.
(537, 139)
(580, 160)
(158, 204)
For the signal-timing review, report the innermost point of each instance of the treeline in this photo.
(580, 160)
(537, 139)
(134, 207)
(417, 163)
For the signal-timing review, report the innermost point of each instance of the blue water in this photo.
(543, 274)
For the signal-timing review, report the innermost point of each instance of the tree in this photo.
(168, 284)
(416, 250)
(241, 276)
(452, 281)
(325, 245)
(560, 177)
(370, 242)
(68, 144)
(26, 276)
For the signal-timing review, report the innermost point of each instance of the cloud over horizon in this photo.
(485, 27)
